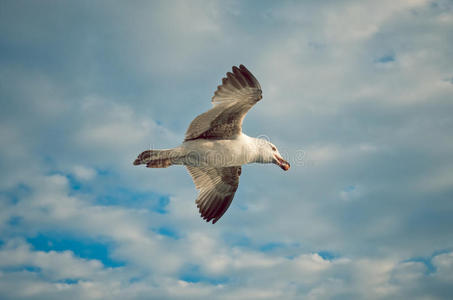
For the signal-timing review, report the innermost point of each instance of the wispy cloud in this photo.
(358, 92)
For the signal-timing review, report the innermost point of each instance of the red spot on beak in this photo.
(282, 163)
(285, 166)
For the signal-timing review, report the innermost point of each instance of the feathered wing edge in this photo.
(217, 188)
(238, 92)
(236, 85)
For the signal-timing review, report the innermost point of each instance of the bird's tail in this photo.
(157, 158)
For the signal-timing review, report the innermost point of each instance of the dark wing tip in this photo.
(233, 80)
(214, 213)
(253, 82)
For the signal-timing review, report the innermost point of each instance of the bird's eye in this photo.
(273, 148)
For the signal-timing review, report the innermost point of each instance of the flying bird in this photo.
(215, 148)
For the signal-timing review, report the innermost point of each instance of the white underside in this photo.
(219, 153)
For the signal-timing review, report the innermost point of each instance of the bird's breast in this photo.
(217, 153)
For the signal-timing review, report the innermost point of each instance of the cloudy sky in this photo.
(358, 96)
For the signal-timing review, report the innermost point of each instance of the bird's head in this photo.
(269, 154)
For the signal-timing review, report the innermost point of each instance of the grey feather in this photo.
(239, 91)
(217, 187)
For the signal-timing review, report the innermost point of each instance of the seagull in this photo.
(215, 148)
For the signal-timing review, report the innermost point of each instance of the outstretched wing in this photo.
(238, 92)
(217, 187)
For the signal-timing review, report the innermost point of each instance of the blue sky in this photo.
(357, 96)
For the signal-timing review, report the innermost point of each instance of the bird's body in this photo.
(215, 148)
(237, 151)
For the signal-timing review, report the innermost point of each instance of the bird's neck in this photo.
(253, 148)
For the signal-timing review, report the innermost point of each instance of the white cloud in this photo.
(444, 264)
(376, 135)
(55, 265)
(84, 173)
